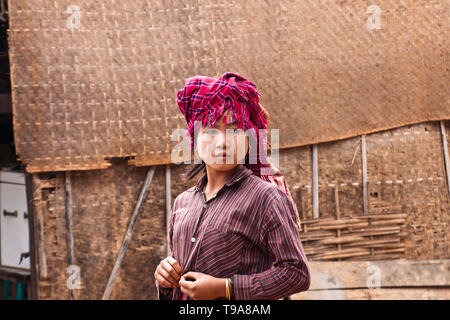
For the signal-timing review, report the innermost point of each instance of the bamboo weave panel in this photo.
(97, 80)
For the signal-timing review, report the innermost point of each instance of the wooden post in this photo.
(168, 201)
(137, 209)
(39, 227)
(315, 182)
(69, 233)
(364, 174)
(446, 156)
(32, 285)
(338, 214)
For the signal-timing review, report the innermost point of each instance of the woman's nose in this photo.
(222, 141)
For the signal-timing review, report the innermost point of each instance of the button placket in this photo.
(205, 205)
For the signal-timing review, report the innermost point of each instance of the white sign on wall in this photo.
(14, 245)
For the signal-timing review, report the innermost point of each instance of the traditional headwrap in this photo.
(203, 100)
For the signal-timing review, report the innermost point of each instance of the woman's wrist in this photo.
(220, 287)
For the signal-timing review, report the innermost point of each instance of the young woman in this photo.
(234, 234)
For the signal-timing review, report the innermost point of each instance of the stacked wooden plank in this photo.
(365, 237)
(384, 279)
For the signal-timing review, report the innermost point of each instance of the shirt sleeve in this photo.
(166, 293)
(280, 238)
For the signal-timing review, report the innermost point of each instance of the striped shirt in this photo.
(247, 230)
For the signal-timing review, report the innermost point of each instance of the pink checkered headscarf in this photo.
(203, 100)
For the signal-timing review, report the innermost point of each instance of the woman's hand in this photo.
(200, 286)
(168, 273)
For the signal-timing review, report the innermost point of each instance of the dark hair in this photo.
(194, 170)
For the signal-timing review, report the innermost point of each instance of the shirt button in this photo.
(204, 205)
(192, 239)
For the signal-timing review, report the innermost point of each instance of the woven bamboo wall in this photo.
(103, 201)
(409, 205)
(96, 80)
(408, 217)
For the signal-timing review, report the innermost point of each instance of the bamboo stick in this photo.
(344, 253)
(364, 175)
(337, 226)
(384, 222)
(339, 240)
(168, 201)
(315, 182)
(446, 155)
(371, 243)
(69, 233)
(400, 250)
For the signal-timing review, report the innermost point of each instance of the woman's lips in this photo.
(221, 155)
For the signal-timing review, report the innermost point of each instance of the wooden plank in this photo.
(364, 174)
(137, 210)
(338, 216)
(315, 182)
(39, 225)
(393, 273)
(376, 294)
(14, 274)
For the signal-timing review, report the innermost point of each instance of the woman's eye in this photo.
(235, 130)
(212, 132)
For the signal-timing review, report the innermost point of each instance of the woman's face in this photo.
(214, 142)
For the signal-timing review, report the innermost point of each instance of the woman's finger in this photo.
(186, 291)
(163, 273)
(162, 281)
(174, 263)
(170, 270)
(191, 276)
(185, 283)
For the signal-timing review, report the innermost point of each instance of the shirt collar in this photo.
(241, 174)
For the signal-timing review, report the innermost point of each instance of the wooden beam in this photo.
(315, 182)
(168, 201)
(328, 275)
(137, 210)
(364, 174)
(338, 215)
(446, 155)
(376, 294)
(14, 274)
(33, 245)
(69, 232)
(39, 228)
